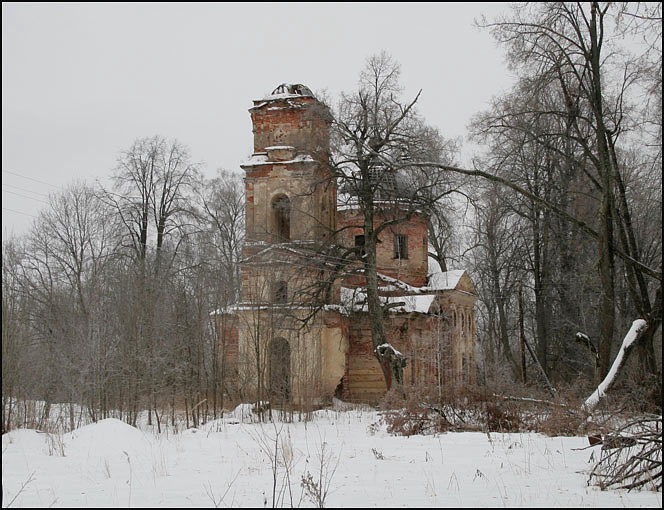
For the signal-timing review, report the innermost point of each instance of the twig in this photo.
(25, 484)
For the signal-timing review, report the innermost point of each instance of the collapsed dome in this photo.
(293, 89)
(387, 183)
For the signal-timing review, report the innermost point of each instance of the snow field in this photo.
(229, 463)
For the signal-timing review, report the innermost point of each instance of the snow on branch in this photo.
(387, 348)
(584, 340)
(634, 333)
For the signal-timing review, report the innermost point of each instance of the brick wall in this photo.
(412, 270)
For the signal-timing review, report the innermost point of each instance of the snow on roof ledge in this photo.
(262, 159)
(355, 299)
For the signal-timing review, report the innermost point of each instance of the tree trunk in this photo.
(522, 335)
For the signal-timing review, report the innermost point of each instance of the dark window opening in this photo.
(359, 243)
(280, 292)
(400, 246)
(281, 210)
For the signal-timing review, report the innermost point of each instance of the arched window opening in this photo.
(280, 352)
(281, 213)
(359, 244)
(280, 292)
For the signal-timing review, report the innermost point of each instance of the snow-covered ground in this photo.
(228, 463)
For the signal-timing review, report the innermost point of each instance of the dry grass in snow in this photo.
(338, 459)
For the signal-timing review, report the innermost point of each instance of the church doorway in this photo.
(280, 352)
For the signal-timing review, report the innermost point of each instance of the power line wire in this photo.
(24, 189)
(31, 178)
(19, 212)
(26, 196)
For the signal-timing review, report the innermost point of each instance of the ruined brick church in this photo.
(286, 339)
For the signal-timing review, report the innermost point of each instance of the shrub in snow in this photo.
(631, 456)
(422, 413)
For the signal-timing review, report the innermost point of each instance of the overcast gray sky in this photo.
(80, 82)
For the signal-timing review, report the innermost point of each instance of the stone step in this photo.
(365, 371)
(366, 396)
(377, 384)
(370, 377)
(359, 364)
(367, 389)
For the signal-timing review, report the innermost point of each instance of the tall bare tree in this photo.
(567, 47)
(376, 135)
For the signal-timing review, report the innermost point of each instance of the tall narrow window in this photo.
(280, 292)
(359, 243)
(400, 246)
(281, 212)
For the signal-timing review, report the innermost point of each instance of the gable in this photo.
(466, 284)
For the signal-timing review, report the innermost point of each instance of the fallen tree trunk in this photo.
(549, 386)
(630, 340)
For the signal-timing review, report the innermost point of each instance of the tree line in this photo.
(106, 300)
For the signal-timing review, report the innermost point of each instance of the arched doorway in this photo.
(280, 390)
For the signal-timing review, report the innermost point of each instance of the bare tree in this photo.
(376, 135)
(152, 184)
(14, 334)
(565, 46)
(152, 180)
(498, 252)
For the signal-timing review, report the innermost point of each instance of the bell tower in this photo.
(290, 190)
(290, 193)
